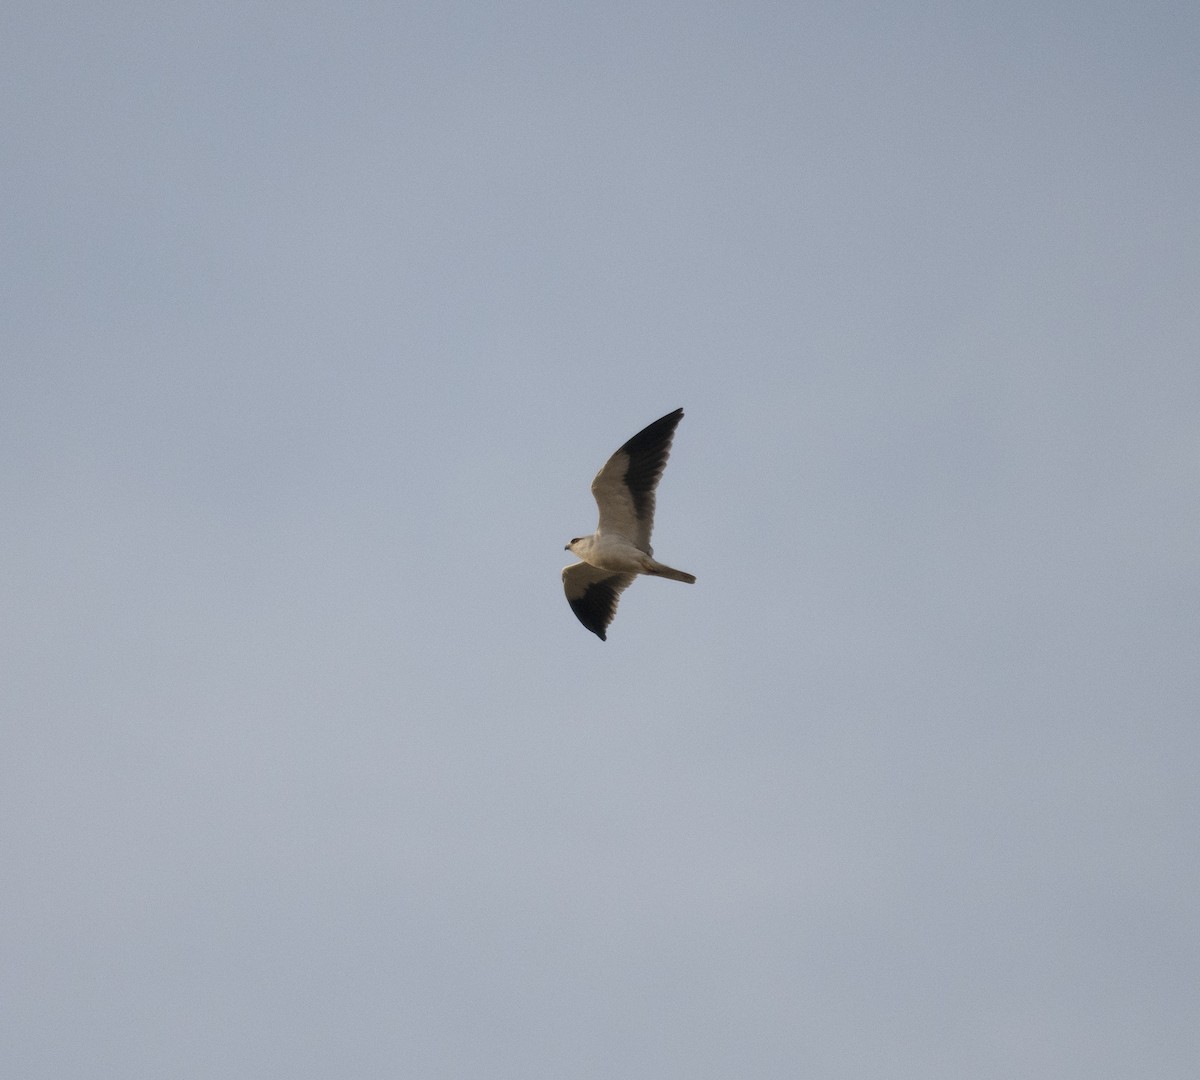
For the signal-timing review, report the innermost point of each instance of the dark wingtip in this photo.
(597, 604)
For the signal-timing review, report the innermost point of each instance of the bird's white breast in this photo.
(611, 553)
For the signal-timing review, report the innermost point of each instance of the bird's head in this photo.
(571, 544)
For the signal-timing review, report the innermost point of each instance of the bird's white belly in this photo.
(616, 554)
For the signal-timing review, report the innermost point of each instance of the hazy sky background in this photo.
(318, 320)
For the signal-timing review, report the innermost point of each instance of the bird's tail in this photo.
(660, 570)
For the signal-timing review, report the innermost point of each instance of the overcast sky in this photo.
(318, 320)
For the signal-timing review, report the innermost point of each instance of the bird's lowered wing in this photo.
(593, 594)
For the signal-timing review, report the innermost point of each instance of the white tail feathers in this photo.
(659, 570)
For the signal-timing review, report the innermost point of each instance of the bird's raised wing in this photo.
(593, 594)
(624, 488)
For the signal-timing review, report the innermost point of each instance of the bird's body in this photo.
(620, 548)
(611, 551)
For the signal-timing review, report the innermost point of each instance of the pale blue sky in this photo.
(318, 320)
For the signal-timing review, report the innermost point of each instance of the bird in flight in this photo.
(620, 548)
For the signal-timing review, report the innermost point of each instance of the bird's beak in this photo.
(566, 547)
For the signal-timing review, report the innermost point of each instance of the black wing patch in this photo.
(597, 605)
(648, 451)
